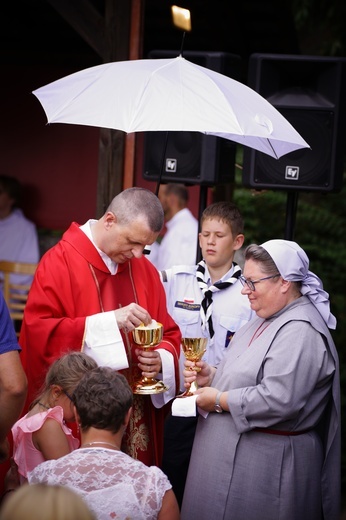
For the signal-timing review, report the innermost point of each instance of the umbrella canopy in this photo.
(169, 95)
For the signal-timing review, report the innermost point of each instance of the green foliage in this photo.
(320, 26)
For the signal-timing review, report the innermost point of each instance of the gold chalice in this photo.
(147, 338)
(193, 349)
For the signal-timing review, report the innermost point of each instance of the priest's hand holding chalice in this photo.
(147, 337)
(193, 349)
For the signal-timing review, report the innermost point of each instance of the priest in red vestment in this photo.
(89, 292)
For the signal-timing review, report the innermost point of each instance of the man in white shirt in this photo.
(19, 239)
(179, 244)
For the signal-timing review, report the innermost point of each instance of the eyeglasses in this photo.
(251, 283)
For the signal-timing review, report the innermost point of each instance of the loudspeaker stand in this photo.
(162, 165)
(291, 211)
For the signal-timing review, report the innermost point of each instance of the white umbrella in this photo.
(169, 95)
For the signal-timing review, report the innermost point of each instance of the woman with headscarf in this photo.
(268, 444)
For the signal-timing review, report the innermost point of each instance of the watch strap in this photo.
(218, 408)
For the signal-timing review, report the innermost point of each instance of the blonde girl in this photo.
(41, 502)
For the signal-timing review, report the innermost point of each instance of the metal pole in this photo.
(291, 211)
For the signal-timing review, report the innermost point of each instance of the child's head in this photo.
(68, 370)
(226, 212)
(45, 502)
(102, 400)
(61, 380)
(221, 234)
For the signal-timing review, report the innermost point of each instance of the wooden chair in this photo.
(15, 294)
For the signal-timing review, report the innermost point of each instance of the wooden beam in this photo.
(112, 142)
(86, 20)
(115, 37)
(135, 53)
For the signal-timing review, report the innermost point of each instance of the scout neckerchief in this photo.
(207, 302)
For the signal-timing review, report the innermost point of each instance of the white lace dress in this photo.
(114, 485)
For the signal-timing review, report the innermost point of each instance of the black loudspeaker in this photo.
(309, 91)
(192, 157)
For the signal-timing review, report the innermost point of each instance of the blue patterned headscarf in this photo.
(293, 265)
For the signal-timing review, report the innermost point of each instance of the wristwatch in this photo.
(217, 406)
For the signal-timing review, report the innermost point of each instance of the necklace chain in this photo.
(259, 331)
(44, 406)
(114, 446)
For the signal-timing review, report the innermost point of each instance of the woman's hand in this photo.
(203, 375)
(206, 398)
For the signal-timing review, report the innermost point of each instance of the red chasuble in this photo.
(71, 283)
